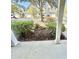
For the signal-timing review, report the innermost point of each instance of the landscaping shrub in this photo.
(50, 19)
(52, 26)
(38, 26)
(21, 27)
(28, 31)
(63, 28)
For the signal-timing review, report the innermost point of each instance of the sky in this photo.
(25, 5)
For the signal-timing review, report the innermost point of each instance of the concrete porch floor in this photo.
(40, 50)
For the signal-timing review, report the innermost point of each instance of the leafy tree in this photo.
(32, 11)
(16, 9)
(40, 4)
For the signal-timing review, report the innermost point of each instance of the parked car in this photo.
(13, 16)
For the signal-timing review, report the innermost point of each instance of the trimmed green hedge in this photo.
(21, 26)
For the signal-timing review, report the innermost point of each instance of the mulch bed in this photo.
(39, 35)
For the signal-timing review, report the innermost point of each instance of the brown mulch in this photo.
(39, 35)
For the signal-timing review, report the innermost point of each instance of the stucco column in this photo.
(61, 6)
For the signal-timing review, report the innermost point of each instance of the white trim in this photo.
(14, 41)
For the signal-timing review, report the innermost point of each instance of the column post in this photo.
(61, 5)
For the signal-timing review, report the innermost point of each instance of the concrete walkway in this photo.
(39, 50)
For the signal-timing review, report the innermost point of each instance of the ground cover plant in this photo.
(28, 31)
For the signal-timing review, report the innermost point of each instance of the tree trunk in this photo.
(41, 10)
